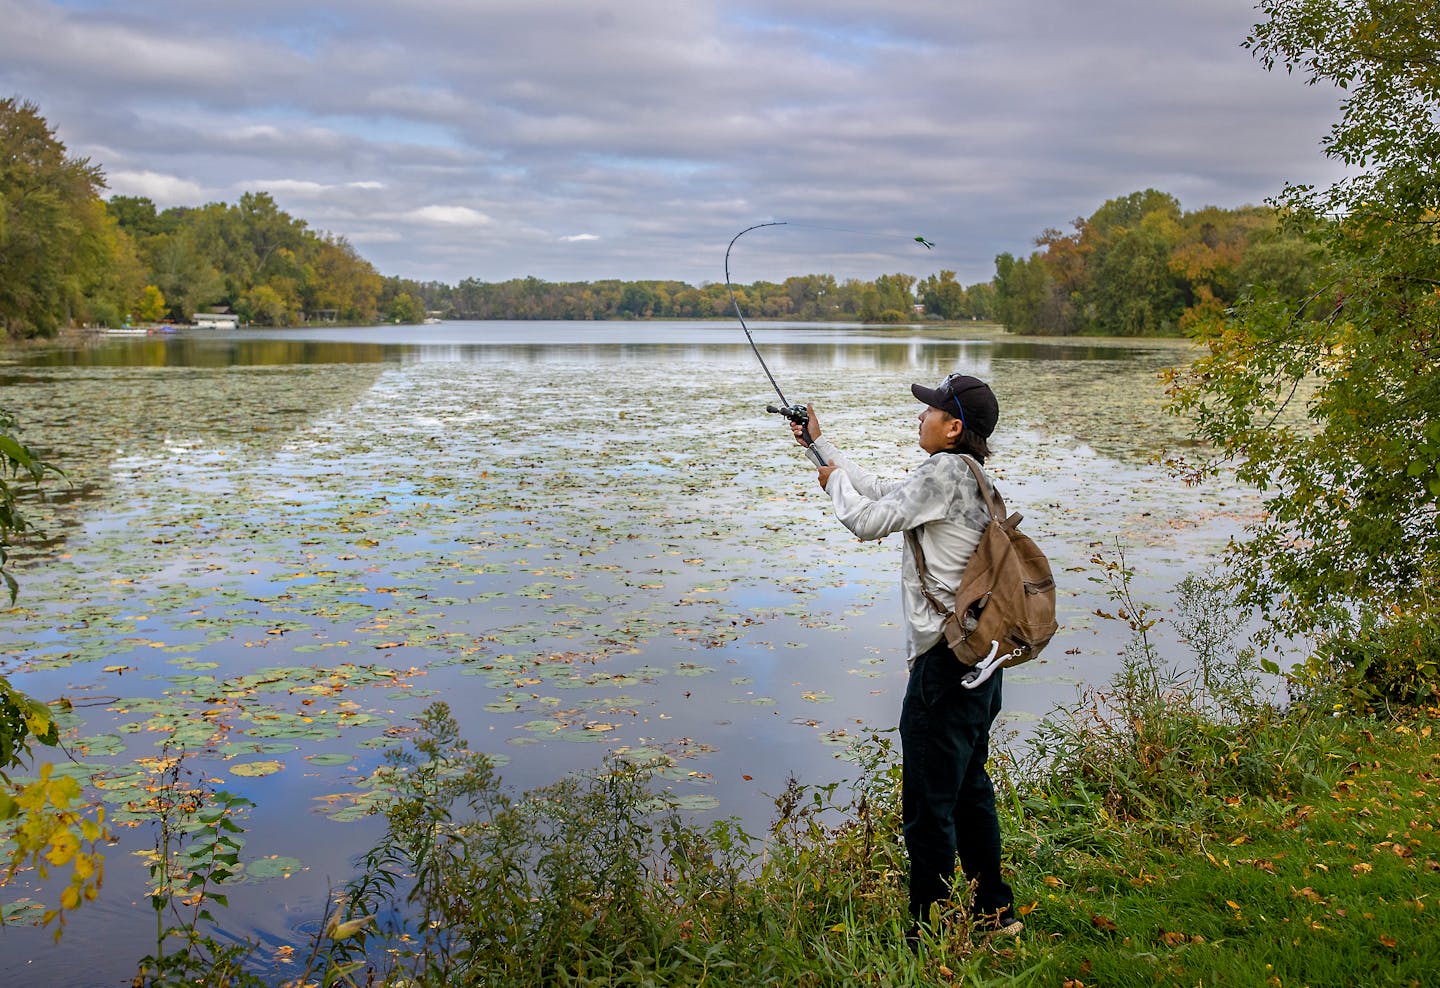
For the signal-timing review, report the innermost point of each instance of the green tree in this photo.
(942, 295)
(1329, 401)
(1130, 289)
(1024, 289)
(406, 308)
(49, 224)
(151, 307)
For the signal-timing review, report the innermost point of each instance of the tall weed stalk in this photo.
(1165, 745)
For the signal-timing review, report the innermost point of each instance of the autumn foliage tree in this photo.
(59, 253)
(1141, 266)
(1328, 398)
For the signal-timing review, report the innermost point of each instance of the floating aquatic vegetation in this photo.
(282, 603)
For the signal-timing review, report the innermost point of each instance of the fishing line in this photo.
(795, 413)
(739, 315)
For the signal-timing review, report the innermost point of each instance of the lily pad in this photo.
(271, 866)
(252, 770)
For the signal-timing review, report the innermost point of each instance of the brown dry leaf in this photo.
(1102, 923)
(1386, 940)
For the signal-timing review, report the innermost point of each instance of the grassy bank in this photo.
(1334, 884)
(1328, 880)
(1172, 827)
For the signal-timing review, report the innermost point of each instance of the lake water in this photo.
(277, 547)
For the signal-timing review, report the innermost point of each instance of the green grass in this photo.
(1170, 828)
(1328, 879)
(1337, 888)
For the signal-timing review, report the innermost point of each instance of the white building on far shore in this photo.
(217, 320)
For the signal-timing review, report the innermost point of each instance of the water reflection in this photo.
(660, 573)
(799, 344)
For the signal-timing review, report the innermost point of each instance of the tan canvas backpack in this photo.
(1004, 608)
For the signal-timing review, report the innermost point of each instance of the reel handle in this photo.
(800, 415)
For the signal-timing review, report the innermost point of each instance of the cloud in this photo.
(165, 190)
(664, 128)
(449, 216)
(307, 189)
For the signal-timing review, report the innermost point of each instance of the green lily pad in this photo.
(330, 758)
(272, 866)
(252, 770)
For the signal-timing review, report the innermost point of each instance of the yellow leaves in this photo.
(1175, 938)
(347, 929)
(48, 833)
(62, 848)
(1363, 868)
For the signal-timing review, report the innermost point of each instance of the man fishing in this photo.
(948, 801)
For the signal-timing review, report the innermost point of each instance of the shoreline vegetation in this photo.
(1169, 827)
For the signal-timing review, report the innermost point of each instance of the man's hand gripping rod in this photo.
(800, 415)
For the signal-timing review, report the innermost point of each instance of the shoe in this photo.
(1002, 924)
(912, 939)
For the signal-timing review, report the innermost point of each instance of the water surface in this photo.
(277, 547)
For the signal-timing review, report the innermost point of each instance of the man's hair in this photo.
(972, 444)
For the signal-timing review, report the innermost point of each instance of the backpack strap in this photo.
(913, 537)
(994, 503)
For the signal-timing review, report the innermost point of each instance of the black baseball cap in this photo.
(967, 398)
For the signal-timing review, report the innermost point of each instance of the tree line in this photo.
(810, 298)
(1140, 266)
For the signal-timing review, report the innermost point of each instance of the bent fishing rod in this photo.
(798, 414)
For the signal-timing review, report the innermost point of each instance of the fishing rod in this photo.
(798, 414)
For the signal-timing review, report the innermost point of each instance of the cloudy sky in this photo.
(580, 139)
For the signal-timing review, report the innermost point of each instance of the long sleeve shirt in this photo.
(941, 499)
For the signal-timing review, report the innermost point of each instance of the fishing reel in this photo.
(798, 414)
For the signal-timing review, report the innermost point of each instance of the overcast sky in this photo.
(580, 140)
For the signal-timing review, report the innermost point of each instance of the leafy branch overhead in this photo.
(1328, 399)
(41, 823)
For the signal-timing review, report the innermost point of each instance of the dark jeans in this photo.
(948, 802)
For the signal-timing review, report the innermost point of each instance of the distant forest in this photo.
(1138, 266)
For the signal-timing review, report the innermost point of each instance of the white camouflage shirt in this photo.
(942, 499)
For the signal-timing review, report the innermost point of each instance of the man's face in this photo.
(938, 430)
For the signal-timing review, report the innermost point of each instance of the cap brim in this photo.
(930, 396)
